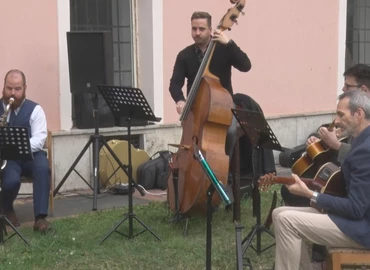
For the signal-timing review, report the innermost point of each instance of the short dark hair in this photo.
(202, 15)
(15, 71)
(361, 73)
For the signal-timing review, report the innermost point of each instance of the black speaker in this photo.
(83, 111)
(90, 58)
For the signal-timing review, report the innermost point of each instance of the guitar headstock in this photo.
(266, 181)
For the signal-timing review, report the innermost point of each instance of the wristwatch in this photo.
(314, 197)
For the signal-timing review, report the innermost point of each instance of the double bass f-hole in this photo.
(195, 139)
(195, 144)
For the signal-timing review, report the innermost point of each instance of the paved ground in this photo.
(78, 202)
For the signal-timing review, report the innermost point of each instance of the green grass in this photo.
(74, 242)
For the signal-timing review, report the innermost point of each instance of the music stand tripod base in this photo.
(131, 104)
(215, 185)
(261, 136)
(5, 221)
(96, 140)
(14, 145)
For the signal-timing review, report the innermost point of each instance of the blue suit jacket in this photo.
(352, 214)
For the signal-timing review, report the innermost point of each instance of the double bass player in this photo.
(206, 117)
(226, 55)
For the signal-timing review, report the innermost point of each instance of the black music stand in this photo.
(14, 145)
(215, 185)
(131, 104)
(260, 134)
(95, 140)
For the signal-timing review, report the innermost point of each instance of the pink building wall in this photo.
(29, 42)
(293, 47)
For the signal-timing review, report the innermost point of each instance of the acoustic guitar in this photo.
(315, 156)
(328, 180)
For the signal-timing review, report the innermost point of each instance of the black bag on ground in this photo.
(154, 172)
(291, 155)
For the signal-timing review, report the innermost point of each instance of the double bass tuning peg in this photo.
(233, 19)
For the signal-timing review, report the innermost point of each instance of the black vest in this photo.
(22, 119)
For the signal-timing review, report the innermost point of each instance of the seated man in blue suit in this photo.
(26, 113)
(347, 223)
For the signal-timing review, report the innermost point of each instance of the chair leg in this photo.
(329, 264)
(335, 262)
(51, 204)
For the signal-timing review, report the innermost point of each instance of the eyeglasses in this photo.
(352, 85)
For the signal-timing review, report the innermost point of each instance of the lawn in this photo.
(73, 244)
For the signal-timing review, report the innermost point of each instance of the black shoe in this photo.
(12, 217)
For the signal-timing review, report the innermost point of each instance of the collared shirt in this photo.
(38, 127)
(199, 53)
(188, 61)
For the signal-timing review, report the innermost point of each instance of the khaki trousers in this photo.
(294, 224)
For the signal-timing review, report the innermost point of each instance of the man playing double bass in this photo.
(226, 55)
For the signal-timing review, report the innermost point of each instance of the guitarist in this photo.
(356, 77)
(347, 223)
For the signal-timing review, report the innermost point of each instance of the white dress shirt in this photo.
(38, 127)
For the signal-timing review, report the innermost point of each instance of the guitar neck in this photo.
(329, 172)
(290, 180)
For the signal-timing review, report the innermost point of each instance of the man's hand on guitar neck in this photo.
(330, 138)
(312, 140)
(299, 188)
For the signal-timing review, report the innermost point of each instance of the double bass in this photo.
(205, 120)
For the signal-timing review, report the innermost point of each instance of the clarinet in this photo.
(3, 123)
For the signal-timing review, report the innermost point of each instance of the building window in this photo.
(104, 15)
(358, 32)
(111, 15)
